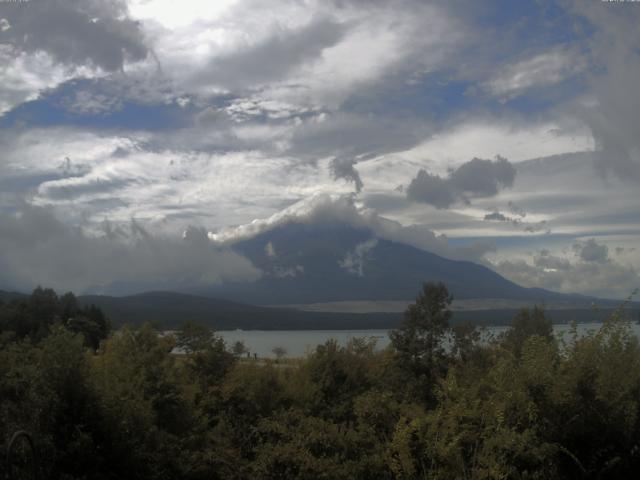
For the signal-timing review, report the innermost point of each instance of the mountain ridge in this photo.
(306, 263)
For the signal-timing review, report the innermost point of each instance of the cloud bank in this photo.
(37, 249)
(591, 272)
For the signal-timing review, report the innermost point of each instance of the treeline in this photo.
(34, 316)
(440, 402)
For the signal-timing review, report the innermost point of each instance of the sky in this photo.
(139, 138)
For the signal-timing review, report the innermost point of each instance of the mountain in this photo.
(311, 263)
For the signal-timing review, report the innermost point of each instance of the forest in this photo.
(441, 402)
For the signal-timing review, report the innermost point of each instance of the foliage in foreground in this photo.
(438, 403)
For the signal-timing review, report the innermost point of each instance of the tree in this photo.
(35, 316)
(418, 342)
(40, 314)
(279, 352)
(91, 323)
(207, 354)
(239, 348)
(466, 338)
(68, 306)
(526, 324)
(193, 337)
(141, 386)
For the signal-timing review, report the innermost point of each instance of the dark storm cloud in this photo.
(74, 32)
(474, 179)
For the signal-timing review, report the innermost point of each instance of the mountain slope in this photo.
(305, 263)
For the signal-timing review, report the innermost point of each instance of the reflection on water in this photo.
(297, 343)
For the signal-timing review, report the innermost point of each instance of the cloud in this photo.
(518, 222)
(276, 100)
(44, 43)
(354, 261)
(354, 136)
(513, 137)
(516, 209)
(498, 217)
(36, 248)
(556, 272)
(591, 251)
(344, 168)
(476, 178)
(312, 54)
(85, 102)
(543, 69)
(24, 76)
(282, 272)
(270, 250)
(127, 175)
(549, 262)
(272, 58)
(324, 208)
(74, 32)
(536, 227)
(612, 111)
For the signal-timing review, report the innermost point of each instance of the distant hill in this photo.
(306, 263)
(169, 310)
(6, 296)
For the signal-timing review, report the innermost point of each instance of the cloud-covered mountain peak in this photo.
(318, 209)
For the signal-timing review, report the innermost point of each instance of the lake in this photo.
(298, 343)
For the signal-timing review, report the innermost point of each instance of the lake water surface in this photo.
(298, 343)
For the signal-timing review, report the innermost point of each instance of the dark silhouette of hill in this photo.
(169, 310)
(8, 296)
